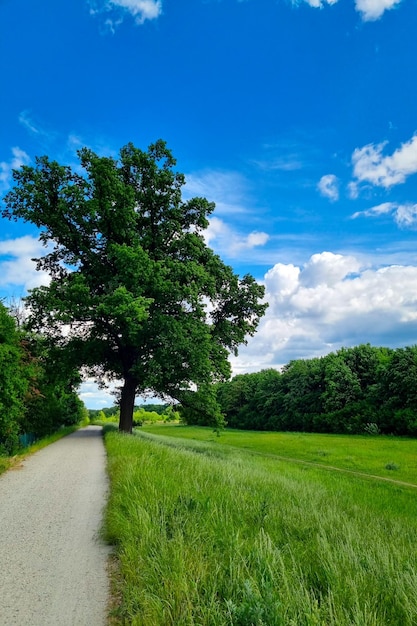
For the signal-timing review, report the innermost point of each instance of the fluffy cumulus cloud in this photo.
(330, 302)
(328, 186)
(19, 158)
(229, 242)
(17, 270)
(373, 9)
(405, 215)
(327, 269)
(370, 165)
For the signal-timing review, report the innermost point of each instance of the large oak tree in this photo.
(135, 292)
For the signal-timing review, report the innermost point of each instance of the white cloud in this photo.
(371, 166)
(328, 186)
(353, 190)
(328, 303)
(140, 10)
(16, 267)
(370, 10)
(256, 238)
(18, 159)
(33, 127)
(373, 9)
(227, 241)
(405, 215)
(25, 120)
(95, 397)
(381, 209)
(227, 189)
(327, 269)
(319, 4)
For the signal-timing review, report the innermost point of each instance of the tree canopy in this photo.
(363, 389)
(37, 386)
(135, 292)
(13, 382)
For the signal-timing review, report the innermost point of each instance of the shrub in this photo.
(371, 429)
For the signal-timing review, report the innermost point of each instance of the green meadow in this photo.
(222, 530)
(385, 456)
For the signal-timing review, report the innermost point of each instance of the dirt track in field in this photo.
(332, 468)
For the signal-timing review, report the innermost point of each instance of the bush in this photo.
(371, 429)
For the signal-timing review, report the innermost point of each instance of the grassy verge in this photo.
(212, 535)
(388, 457)
(7, 462)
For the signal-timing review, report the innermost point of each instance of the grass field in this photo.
(210, 533)
(388, 457)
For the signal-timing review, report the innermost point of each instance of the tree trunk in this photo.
(127, 404)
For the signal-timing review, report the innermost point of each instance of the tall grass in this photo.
(385, 456)
(209, 535)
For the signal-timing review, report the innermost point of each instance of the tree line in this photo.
(38, 386)
(142, 414)
(354, 390)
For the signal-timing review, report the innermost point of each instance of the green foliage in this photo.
(201, 407)
(104, 414)
(156, 408)
(37, 386)
(143, 415)
(171, 415)
(14, 383)
(131, 275)
(52, 401)
(356, 390)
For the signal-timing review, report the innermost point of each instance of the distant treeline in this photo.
(142, 413)
(37, 386)
(355, 390)
(114, 411)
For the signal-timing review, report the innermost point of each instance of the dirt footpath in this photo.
(52, 562)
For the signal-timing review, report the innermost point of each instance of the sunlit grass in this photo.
(211, 535)
(361, 453)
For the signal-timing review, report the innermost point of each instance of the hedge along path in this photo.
(52, 561)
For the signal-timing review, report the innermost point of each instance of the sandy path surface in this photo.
(52, 563)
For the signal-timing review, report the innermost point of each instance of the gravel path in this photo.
(52, 563)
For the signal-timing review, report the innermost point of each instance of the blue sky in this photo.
(297, 118)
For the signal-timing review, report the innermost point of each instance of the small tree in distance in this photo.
(135, 292)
